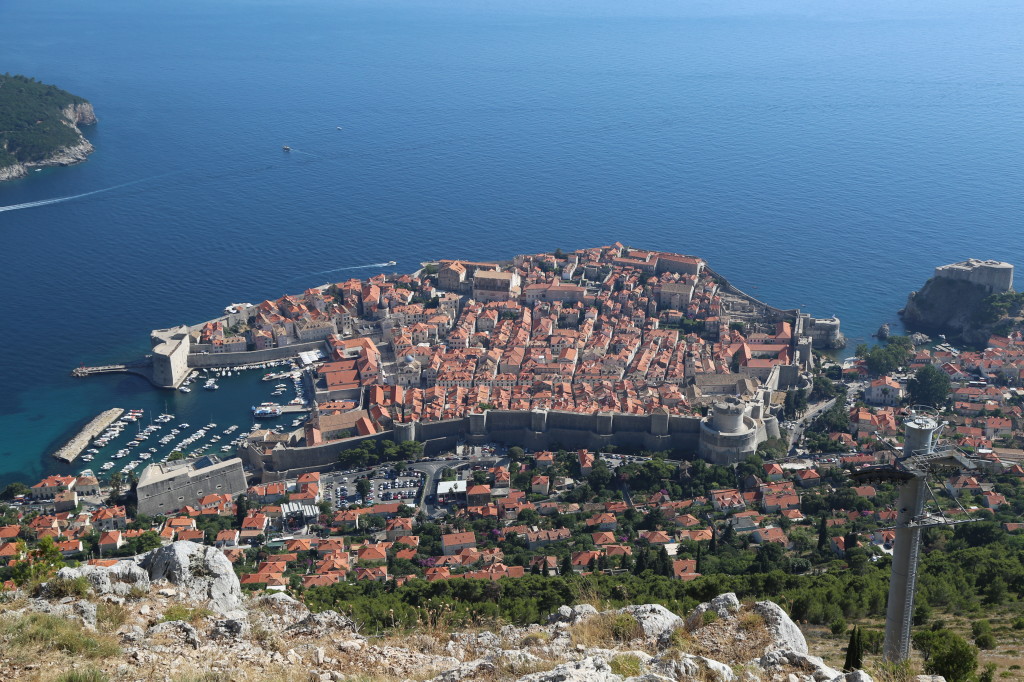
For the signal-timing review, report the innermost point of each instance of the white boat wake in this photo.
(60, 200)
(354, 267)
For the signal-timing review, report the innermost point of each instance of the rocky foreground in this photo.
(179, 613)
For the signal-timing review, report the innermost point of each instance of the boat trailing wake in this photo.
(60, 200)
(355, 267)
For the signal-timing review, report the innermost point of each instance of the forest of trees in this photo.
(32, 125)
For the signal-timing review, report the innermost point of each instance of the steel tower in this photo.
(922, 455)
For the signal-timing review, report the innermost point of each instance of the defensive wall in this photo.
(200, 360)
(533, 429)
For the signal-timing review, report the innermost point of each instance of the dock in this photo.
(74, 447)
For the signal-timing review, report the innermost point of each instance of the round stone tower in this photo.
(727, 415)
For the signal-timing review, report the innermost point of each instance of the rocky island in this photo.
(39, 126)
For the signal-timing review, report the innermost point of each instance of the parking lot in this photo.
(386, 485)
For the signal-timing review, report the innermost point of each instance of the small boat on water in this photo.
(286, 148)
(391, 262)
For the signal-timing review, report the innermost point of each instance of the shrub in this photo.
(750, 620)
(535, 639)
(837, 626)
(709, 617)
(182, 612)
(985, 640)
(1018, 623)
(626, 665)
(681, 640)
(86, 675)
(58, 588)
(626, 628)
(606, 628)
(111, 615)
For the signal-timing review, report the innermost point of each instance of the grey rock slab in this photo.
(200, 574)
(657, 621)
(786, 635)
(586, 670)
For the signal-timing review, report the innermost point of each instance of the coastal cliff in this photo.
(39, 125)
(947, 306)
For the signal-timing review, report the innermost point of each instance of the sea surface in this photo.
(823, 155)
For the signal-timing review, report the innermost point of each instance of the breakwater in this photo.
(74, 447)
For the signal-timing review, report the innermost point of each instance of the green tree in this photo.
(241, 509)
(854, 651)
(952, 656)
(822, 533)
(566, 568)
(363, 487)
(929, 386)
(14, 490)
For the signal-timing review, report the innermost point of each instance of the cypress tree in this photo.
(700, 560)
(641, 561)
(664, 565)
(566, 566)
(854, 651)
(822, 533)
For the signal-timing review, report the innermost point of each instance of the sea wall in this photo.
(74, 447)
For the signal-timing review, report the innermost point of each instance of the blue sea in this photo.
(824, 155)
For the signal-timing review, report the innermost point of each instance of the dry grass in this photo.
(626, 665)
(36, 637)
(110, 615)
(267, 639)
(185, 613)
(605, 630)
(718, 640)
(84, 675)
(538, 638)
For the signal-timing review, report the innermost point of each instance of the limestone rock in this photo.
(685, 666)
(324, 623)
(724, 606)
(649, 677)
(856, 676)
(119, 579)
(786, 635)
(812, 665)
(200, 573)
(82, 611)
(586, 670)
(229, 628)
(657, 622)
(572, 614)
(177, 630)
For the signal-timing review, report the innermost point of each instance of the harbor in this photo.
(75, 446)
(213, 411)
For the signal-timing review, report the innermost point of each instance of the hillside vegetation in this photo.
(34, 122)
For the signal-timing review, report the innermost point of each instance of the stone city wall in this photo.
(199, 360)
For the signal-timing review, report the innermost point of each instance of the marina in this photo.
(172, 424)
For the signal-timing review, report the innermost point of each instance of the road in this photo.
(797, 431)
(432, 476)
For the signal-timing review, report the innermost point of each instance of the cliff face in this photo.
(948, 306)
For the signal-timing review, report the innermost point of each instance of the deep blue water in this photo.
(821, 154)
